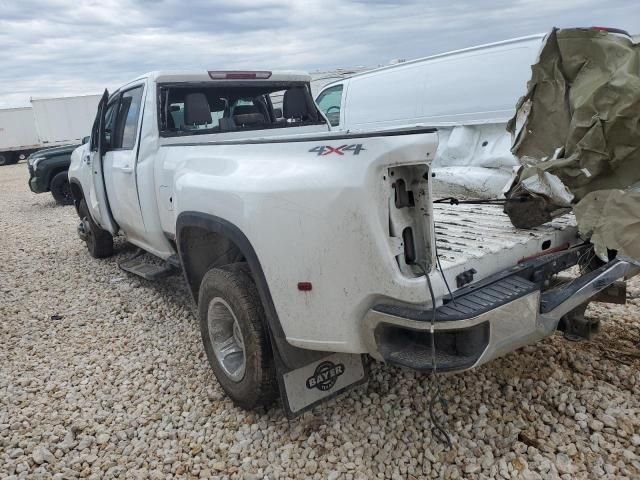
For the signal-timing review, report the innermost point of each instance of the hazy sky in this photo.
(63, 47)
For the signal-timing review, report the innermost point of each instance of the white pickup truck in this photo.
(306, 249)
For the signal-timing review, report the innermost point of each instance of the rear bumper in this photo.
(484, 323)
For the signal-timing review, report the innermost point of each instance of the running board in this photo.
(148, 271)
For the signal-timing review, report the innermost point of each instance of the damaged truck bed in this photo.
(506, 290)
(481, 237)
(576, 133)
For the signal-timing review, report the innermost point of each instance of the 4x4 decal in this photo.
(323, 150)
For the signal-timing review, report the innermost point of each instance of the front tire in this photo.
(232, 324)
(61, 189)
(99, 242)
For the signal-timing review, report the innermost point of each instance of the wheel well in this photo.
(205, 241)
(76, 192)
(53, 173)
(201, 250)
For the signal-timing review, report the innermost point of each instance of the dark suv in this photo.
(48, 172)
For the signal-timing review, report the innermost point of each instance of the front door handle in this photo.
(127, 169)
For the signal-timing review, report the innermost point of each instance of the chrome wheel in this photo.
(226, 339)
(85, 232)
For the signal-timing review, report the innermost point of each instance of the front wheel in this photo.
(61, 189)
(99, 242)
(232, 324)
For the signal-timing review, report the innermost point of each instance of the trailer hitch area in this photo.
(576, 326)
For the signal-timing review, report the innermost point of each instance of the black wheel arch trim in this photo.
(52, 173)
(293, 357)
(76, 202)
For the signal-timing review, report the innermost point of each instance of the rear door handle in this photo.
(127, 169)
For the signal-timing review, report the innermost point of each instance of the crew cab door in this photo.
(120, 160)
(97, 200)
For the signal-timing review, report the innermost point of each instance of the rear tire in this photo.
(7, 158)
(232, 324)
(61, 189)
(99, 242)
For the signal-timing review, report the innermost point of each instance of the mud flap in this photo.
(303, 388)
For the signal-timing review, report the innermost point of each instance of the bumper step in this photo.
(469, 305)
(489, 319)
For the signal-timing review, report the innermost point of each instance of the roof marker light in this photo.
(238, 75)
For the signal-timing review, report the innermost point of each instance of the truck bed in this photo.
(481, 237)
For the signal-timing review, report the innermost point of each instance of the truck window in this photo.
(329, 102)
(109, 118)
(126, 125)
(175, 118)
(194, 110)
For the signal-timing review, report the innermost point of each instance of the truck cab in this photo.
(136, 123)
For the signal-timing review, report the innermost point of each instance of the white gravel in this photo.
(103, 375)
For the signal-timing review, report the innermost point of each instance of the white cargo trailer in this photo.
(18, 134)
(49, 122)
(64, 120)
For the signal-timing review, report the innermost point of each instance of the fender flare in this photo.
(53, 172)
(293, 357)
(76, 203)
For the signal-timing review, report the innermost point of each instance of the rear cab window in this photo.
(329, 101)
(193, 109)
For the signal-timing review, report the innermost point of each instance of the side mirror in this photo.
(277, 112)
(85, 139)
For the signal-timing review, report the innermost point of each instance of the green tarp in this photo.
(580, 123)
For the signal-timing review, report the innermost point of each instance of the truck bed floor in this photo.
(482, 237)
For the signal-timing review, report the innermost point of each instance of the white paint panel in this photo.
(469, 95)
(475, 85)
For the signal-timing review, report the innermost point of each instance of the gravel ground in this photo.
(103, 375)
